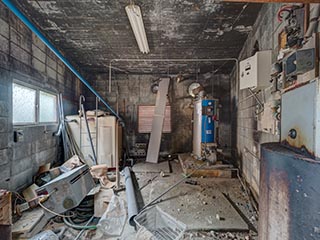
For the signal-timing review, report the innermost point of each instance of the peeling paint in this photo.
(46, 7)
(54, 27)
(212, 6)
(243, 29)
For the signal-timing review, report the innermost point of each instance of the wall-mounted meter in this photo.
(255, 71)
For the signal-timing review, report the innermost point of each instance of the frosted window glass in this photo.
(48, 107)
(24, 104)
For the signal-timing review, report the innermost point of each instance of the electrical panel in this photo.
(255, 71)
(299, 62)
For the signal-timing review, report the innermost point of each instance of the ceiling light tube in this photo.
(135, 18)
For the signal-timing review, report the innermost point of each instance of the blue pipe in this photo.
(29, 24)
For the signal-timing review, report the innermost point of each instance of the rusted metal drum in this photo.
(289, 199)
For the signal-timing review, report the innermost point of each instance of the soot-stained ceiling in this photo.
(93, 32)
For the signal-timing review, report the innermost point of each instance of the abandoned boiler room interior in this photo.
(160, 119)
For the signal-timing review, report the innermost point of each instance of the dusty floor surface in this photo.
(214, 208)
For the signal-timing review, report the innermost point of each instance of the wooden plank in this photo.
(273, 1)
(28, 221)
(157, 122)
(189, 164)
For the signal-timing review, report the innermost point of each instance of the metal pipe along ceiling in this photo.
(20, 15)
(173, 60)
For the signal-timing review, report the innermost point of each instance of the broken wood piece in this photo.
(71, 163)
(30, 192)
(5, 207)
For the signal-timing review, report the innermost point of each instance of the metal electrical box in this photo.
(67, 190)
(255, 71)
(300, 118)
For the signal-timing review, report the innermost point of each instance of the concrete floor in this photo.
(202, 207)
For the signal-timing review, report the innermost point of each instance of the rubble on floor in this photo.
(200, 207)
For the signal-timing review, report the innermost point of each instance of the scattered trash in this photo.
(113, 220)
(162, 174)
(191, 182)
(100, 172)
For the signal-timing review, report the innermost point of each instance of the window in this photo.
(24, 104)
(48, 107)
(31, 105)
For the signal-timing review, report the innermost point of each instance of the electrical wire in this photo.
(78, 227)
(50, 211)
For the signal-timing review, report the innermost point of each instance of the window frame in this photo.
(37, 105)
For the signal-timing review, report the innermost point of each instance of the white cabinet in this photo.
(106, 138)
(255, 71)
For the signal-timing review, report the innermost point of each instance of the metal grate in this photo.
(160, 224)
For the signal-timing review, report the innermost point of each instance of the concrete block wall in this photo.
(134, 90)
(247, 139)
(25, 58)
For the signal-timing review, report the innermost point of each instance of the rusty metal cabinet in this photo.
(289, 206)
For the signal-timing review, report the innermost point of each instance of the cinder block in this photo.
(38, 65)
(46, 156)
(20, 40)
(52, 63)
(5, 156)
(22, 150)
(51, 73)
(21, 165)
(36, 41)
(4, 44)
(5, 172)
(4, 126)
(21, 180)
(20, 55)
(38, 53)
(4, 140)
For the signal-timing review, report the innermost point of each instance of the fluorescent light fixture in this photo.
(135, 18)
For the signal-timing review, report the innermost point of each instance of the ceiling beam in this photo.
(273, 1)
